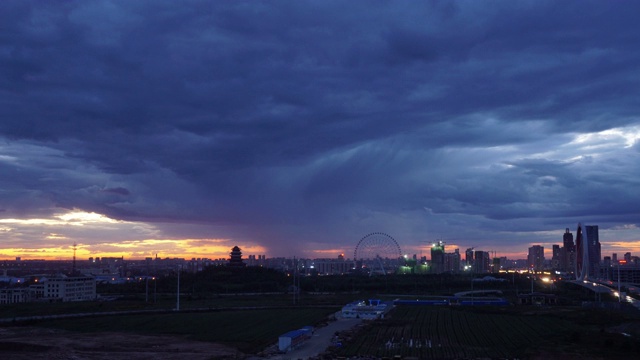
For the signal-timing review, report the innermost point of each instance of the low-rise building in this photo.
(361, 310)
(332, 266)
(69, 288)
(14, 295)
(292, 339)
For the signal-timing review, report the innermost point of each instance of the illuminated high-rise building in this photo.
(437, 257)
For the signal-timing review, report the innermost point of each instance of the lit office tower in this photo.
(594, 250)
(535, 259)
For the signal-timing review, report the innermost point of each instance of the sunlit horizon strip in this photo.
(138, 249)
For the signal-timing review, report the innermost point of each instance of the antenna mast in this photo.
(73, 266)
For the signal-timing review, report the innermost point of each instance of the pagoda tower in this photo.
(236, 258)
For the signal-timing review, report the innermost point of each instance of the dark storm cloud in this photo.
(295, 119)
(118, 191)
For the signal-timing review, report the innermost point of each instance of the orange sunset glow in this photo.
(138, 249)
(89, 232)
(97, 235)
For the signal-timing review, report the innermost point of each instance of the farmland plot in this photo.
(446, 333)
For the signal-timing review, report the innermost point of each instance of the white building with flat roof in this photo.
(361, 310)
(69, 288)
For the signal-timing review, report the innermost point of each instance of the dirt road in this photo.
(320, 340)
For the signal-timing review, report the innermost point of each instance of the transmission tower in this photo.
(73, 266)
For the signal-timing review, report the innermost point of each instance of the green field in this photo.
(453, 333)
(250, 331)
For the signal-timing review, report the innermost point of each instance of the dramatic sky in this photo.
(183, 128)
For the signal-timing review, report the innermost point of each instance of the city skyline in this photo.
(422, 252)
(184, 129)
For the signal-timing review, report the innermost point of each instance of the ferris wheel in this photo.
(377, 253)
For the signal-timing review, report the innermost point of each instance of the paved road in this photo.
(603, 287)
(320, 340)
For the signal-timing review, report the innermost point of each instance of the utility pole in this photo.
(532, 280)
(619, 289)
(472, 303)
(73, 266)
(178, 296)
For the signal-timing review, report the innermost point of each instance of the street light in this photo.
(532, 272)
(619, 293)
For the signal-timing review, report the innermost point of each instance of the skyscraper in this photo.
(567, 239)
(452, 261)
(468, 256)
(556, 257)
(594, 250)
(535, 259)
(481, 262)
(437, 257)
(568, 252)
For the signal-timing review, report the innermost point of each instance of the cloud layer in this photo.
(305, 126)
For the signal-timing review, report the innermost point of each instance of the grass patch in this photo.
(250, 331)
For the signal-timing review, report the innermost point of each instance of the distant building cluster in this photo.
(583, 254)
(577, 257)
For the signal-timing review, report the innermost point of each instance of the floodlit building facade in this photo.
(437, 257)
